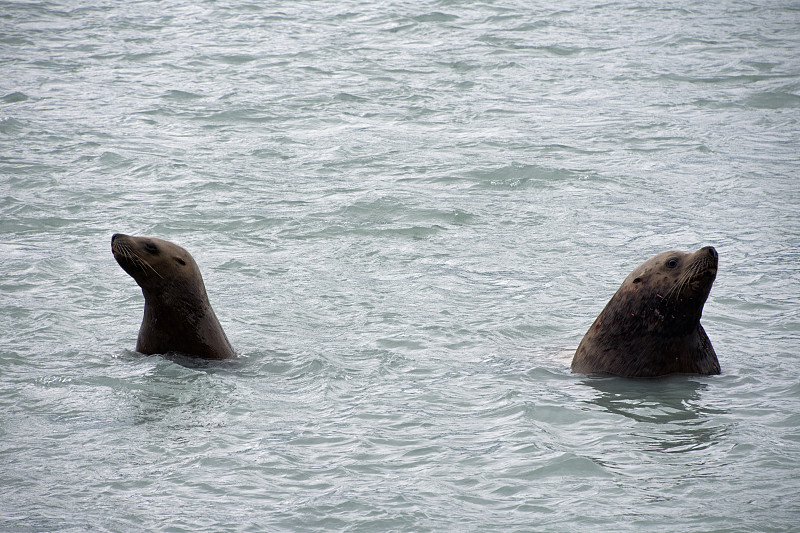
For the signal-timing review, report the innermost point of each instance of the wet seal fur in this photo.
(177, 314)
(651, 326)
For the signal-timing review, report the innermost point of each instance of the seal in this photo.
(651, 326)
(177, 314)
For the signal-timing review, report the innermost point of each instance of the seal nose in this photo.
(711, 252)
(113, 237)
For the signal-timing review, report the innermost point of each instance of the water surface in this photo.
(406, 215)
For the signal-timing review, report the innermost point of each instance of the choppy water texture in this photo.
(407, 215)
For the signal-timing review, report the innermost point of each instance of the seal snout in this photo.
(703, 269)
(118, 244)
(708, 258)
(124, 254)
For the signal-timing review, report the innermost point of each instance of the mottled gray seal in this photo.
(651, 326)
(177, 314)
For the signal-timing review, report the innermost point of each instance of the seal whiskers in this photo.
(128, 253)
(677, 288)
(698, 266)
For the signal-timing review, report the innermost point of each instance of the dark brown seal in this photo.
(651, 326)
(177, 314)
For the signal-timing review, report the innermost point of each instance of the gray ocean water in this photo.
(407, 214)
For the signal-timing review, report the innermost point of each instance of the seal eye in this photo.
(637, 280)
(151, 248)
(672, 263)
(181, 261)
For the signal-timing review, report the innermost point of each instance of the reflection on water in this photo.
(179, 392)
(672, 407)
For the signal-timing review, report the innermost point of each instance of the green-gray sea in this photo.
(407, 214)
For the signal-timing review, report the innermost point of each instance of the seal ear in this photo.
(181, 261)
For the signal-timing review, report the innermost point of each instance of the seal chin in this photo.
(703, 279)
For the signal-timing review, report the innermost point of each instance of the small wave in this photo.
(181, 95)
(12, 98)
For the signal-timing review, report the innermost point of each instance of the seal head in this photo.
(651, 326)
(177, 314)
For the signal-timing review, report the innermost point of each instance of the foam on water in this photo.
(406, 215)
